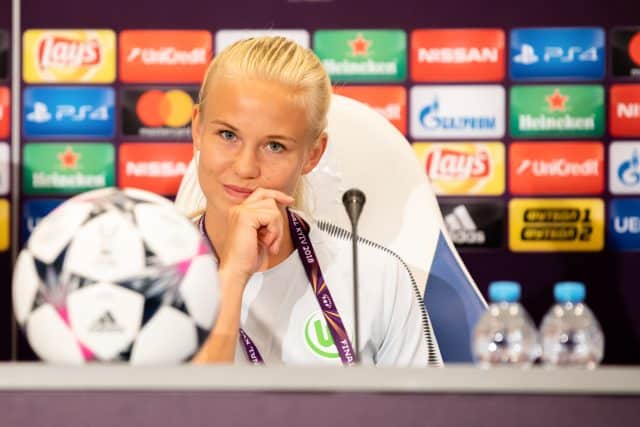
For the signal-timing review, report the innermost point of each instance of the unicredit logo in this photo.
(156, 169)
(459, 55)
(168, 56)
(559, 167)
(451, 164)
(66, 52)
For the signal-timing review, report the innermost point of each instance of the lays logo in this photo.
(4, 225)
(69, 56)
(463, 168)
(448, 164)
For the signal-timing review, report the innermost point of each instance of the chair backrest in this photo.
(401, 213)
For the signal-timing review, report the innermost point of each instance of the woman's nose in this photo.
(246, 163)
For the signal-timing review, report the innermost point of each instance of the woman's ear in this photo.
(315, 154)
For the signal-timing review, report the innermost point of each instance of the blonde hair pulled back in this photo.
(282, 61)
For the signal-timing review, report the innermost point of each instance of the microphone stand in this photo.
(353, 201)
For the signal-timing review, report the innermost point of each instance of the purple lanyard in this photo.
(300, 235)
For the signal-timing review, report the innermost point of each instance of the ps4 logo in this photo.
(557, 53)
(69, 112)
(529, 56)
(41, 113)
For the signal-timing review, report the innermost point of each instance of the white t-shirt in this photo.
(281, 314)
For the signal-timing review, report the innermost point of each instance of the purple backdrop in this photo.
(5, 257)
(610, 276)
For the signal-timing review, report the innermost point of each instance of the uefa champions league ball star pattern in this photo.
(116, 275)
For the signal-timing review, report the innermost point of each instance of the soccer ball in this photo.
(115, 275)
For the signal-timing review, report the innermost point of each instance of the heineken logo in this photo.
(68, 158)
(363, 56)
(67, 168)
(360, 45)
(557, 111)
(318, 337)
(57, 180)
(557, 101)
(528, 122)
(368, 67)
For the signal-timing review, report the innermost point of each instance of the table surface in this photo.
(608, 380)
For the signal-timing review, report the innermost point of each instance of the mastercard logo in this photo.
(634, 49)
(172, 108)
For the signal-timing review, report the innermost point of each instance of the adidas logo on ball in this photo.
(106, 323)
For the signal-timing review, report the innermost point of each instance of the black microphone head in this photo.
(353, 201)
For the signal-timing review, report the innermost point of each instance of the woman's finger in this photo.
(265, 193)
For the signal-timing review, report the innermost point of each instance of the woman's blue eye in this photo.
(227, 135)
(275, 147)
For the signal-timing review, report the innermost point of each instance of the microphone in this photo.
(353, 201)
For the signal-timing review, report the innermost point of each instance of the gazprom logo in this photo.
(629, 170)
(431, 118)
(624, 167)
(456, 111)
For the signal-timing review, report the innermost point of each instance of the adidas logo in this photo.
(105, 323)
(462, 228)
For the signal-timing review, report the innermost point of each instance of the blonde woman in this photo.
(287, 296)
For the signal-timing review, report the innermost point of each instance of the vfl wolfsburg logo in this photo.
(318, 337)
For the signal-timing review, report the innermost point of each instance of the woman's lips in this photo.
(238, 192)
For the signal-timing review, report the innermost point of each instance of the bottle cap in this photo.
(573, 292)
(504, 291)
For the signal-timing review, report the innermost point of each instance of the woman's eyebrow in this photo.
(287, 138)
(223, 123)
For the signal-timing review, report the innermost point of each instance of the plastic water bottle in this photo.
(505, 334)
(571, 335)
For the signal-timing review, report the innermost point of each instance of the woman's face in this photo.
(251, 134)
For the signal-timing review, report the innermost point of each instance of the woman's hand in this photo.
(255, 230)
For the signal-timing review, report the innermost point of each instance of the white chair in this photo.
(401, 213)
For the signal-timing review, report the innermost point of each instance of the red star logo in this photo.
(360, 46)
(557, 101)
(68, 159)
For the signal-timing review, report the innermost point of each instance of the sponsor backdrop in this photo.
(526, 120)
(6, 187)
